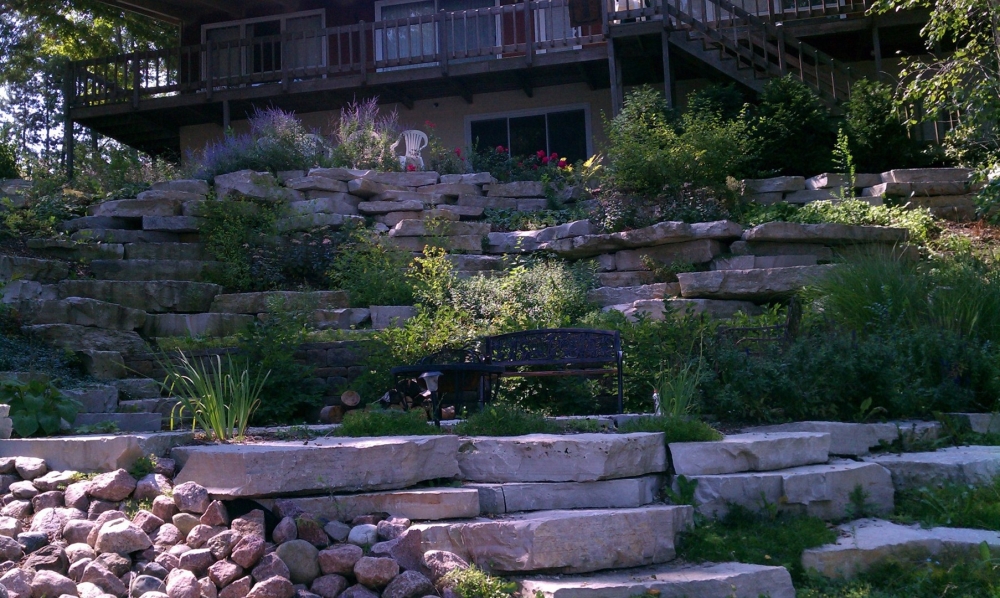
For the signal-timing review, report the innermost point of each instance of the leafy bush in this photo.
(951, 504)
(918, 222)
(37, 408)
(218, 399)
(232, 230)
(373, 272)
(385, 422)
(8, 161)
(475, 583)
(724, 101)
(505, 219)
(439, 158)
(876, 134)
(505, 167)
(277, 141)
(365, 137)
(675, 429)
(793, 130)
(499, 419)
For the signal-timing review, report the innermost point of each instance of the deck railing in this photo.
(773, 10)
(522, 30)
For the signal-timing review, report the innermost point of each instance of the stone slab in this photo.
(256, 303)
(316, 183)
(404, 179)
(774, 184)
(691, 252)
(167, 251)
(14, 267)
(73, 337)
(211, 324)
(99, 452)
(137, 208)
(466, 243)
(126, 422)
(866, 542)
(173, 224)
(856, 440)
(817, 490)
(100, 398)
(821, 252)
(926, 175)
(827, 234)
(607, 494)
(71, 250)
(86, 312)
(762, 451)
(749, 285)
(961, 465)
(308, 222)
(324, 465)
(724, 580)
(660, 309)
(100, 222)
(576, 541)
(101, 235)
(425, 504)
(333, 203)
(554, 458)
(154, 270)
(384, 316)
(149, 296)
(441, 228)
(658, 234)
(810, 195)
(605, 296)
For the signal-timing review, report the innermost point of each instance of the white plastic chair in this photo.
(415, 142)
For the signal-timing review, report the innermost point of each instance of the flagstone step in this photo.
(154, 270)
(723, 580)
(867, 542)
(149, 296)
(738, 453)
(961, 465)
(606, 494)
(167, 251)
(855, 440)
(65, 249)
(424, 504)
(818, 490)
(577, 541)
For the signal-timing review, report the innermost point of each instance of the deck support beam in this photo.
(668, 71)
(877, 45)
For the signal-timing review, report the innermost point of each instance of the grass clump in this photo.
(506, 420)
(676, 429)
(969, 578)
(763, 539)
(381, 422)
(951, 505)
(475, 583)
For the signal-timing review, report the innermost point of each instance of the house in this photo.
(527, 75)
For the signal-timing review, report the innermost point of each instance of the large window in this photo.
(415, 41)
(266, 56)
(560, 130)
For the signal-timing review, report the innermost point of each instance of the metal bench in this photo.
(557, 352)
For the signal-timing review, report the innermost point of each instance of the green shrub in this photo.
(385, 422)
(724, 101)
(948, 574)
(793, 130)
(233, 231)
(877, 137)
(8, 161)
(952, 505)
(675, 429)
(366, 137)
(372, 271)
(475, 583)
(505, 219)
(37, 408)
(499, 419)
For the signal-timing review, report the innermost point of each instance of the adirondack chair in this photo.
(415, 142)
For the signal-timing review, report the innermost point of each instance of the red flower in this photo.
(545, 160)
(458, 152)
(554, 156)
(429, 124)
(500, 149)
(410, 168)
(540, 153)
(562, 163)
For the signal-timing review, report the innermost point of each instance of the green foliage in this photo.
(21, 354)
(37, 408)
(290, 393)
(366, 137)
(675, 429)
(143, 466)
(505, 219)
(232, 230)
(277, 141)
(385, 422)
(475, 583)
(675, 393)
(724, 101)
(877, 137)
(794, 131)
(371, 271)
(439, 158)
(747, 537)
(951, 504)
(221, 400)
(500, 419)
(945, 575)
(107, 427)
(8, 161)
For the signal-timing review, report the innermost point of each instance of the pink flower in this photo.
(554, 156)
(540, 153)
(545, 160)
(410, 168)
(458, 152)
(500, 149)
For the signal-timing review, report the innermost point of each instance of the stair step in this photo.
(162, 405)
(65, 249)
(127, 422)
(962, 465)
(110, 235)
(215, 325)
(149, 296)
(422, 504)
(739, 453)
(100, 222)
(606, 494)
(82, 311)
(563, 541)
(818, 490)
(167, 251)
(97, 398)
(85, 338)
(762, 284)
(137, 388)
(866, 542)
(154, 270)
(723, 580)
(856, 440)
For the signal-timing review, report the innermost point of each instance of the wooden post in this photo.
(363, 51)
(782, 64)
(529, 33)
(615, 68)
(69, 89)
(136, 81)
(668, 71)
(226, 117)
(443, 42)
(878, 51)
(208, 71)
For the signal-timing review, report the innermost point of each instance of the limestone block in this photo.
(516, 189)
(196, 186)
(850, 439)
(494, 203)
(71, 250)
(658, 234)
(404, 179)
(466, 243)
(867, 542)
(14, 267)
(102, 365)
(169, 195)
(154, 270)
(577, 228)
(810, 195)
(17, 291)
(384, 316)
(340, 319)
(316, 183)
(423, 228)
(766, 199)
(305, 222)
(196, 325)
(477, 178)
(774, 185)
(256, 303)
(261, 185)
(174, 224)
(926, 175)
(339, 174)
(817, 490)
(605, 494)
(371, 208)
(962, 465)
(87, 312)
(736, 262)
(605, 296)
(149, 296)
(452, 189)
(462, 212)
(749, 285)
(73, 337)
(821, 252)
(93, 453)
(476, 263)
(691, 252)
(635, 278)
(98, 235)
(425, 504)
(573, 541)
(334, 203)
(137, 208)
(532, 205)
(404, 194)
(827, 234)
(735, 580)
(553, 458)
(761, 451)
(980, 423)
(393, 218)
(323, 465)
(658, 309)
(166, 251)
(514, 242)
(95, 399)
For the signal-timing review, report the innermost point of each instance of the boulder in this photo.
(301, 559)
(749, 452)
(339, 559)
(408, 584)
(248, 551)
(152, 485)
(31, 269)
(364, 534)
(114, 486)
(121, 536)
(270, 566)
(749, 285)
(375, 572)
(182, 584)
(516, 189)
(49, 583)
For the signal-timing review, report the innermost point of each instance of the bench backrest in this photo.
(554, 346)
